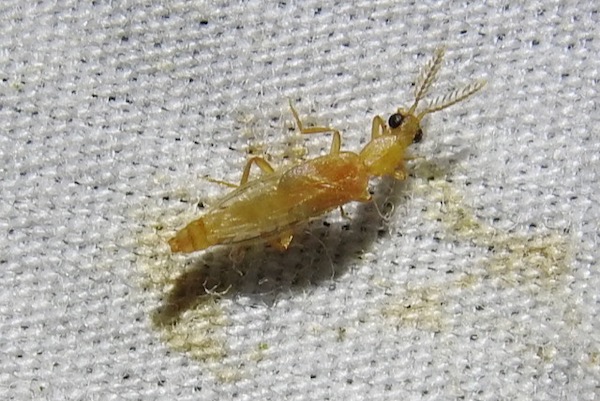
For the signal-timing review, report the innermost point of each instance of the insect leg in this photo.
(343, 213)
(282, 242)
(336, 143)
(408, 157)
(400, 174)
(227, 184)
(261, 163)
(379, 127)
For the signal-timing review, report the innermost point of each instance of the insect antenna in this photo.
(457, 95)
(427, 77)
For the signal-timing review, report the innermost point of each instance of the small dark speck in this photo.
(126, 376)
(532, 225)
(204, 22)
(165, 198)
(124, 38)
(496, 219)
(128, 193)
(112, 98)
(201, 205)
(464, 31)
(327, 224)
(349, 381)
(313, 376)
(161, 382)
(535, 42)
(198, 388)
(474, 337)
(479, 308)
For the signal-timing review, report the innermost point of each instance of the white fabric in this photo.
(482, 283)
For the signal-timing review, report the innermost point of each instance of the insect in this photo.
(272, 206)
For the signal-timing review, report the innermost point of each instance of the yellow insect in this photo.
(272, 206)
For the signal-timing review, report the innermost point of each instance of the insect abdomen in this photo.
(191, 238)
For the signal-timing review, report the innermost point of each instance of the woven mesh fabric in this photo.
(476, 278)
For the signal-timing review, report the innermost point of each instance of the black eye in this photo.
(395, 120)
(418, 136)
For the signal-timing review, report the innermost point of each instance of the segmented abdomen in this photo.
(191, 238)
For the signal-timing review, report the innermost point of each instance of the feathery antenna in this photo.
(427, 77)
(457, 95)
